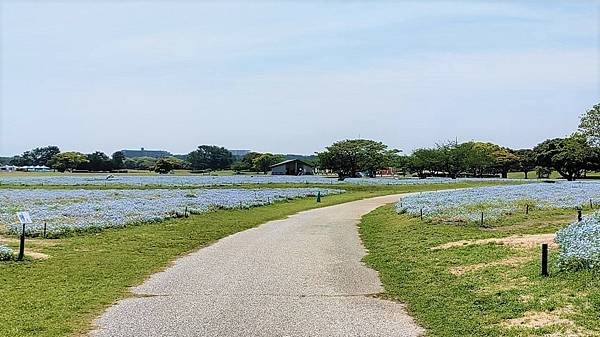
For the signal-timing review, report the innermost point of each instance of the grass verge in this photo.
(485, 289)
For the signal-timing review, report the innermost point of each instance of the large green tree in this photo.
(118, 160)
(67, 161)
(210, 157)
(348, 157)
(527, 161)
(570, 156)
(590, 125)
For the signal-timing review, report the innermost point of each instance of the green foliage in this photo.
(140, 163)
(118, 160)
(590, 125)
(168, 164)
(97, 161)
(349, 157)
(527, 160)
(68, 161)
(570, 157)
(210, 157)
(37, 156)
(264, 162)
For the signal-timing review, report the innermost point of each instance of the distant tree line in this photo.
(572, 157)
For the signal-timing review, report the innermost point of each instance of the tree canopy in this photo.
(590, 125)
(349, 157)
(210, 157)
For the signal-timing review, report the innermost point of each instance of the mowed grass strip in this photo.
(492, 289)
(60, 296)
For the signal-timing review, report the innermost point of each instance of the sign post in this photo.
(24, 219)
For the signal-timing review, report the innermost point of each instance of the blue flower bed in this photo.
(67, 211)
(193, 180)
(580, 244)
(466, 205)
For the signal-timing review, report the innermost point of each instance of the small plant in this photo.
(5, 253)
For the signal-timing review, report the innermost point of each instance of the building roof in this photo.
(291, 161)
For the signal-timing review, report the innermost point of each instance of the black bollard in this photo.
(421, 214)
(45, 230)
(22, 245)
(578, 215)
(481, 224)
(526, 209)
(544, 259)
(591, 204)
(318, 196)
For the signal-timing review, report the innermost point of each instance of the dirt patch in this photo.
(511, 261)
(37, 255)
(519, 241)
(533, 319)
(28, 241)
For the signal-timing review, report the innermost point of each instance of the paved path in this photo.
(301, 276)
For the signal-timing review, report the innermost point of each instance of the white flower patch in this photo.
(81, 210)
(466, 205)
(5, 253)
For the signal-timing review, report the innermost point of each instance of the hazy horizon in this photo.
(290, 77)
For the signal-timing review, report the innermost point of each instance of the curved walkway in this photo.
(301, 276)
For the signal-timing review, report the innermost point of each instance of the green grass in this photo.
(484, 299)
(60, 296)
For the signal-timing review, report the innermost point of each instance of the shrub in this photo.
(580, 244)
(5, 253)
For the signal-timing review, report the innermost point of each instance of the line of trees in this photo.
(572, 157)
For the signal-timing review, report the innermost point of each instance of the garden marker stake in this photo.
(578, 215)
(527, 209)
(544, 259)
(22, 245)
(319, 196)
(45, 229)
(481, 219)
(421, 214)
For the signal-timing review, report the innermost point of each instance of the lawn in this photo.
(61, 295)
(456, 287)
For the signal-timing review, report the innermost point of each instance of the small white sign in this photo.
(24, 217)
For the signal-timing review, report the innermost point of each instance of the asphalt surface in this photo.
(301, 276)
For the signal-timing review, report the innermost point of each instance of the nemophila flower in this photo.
(580, 244)
(5, 253)
(494, 201)
(171, 180)
(83, 210)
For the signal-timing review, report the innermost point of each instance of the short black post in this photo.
(318, 196)
(45, 230)
(578, 215)
(22, 245)
(481, 224)
(544, 259)
(185, 213)
(421, 214)
(526, 209)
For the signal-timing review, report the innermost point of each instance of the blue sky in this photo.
(293, 77)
